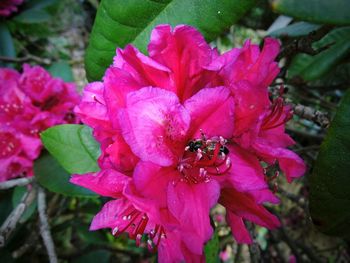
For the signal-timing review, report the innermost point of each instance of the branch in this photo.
(254, 250)
(44, 227)
(27, 58)
(16, 182)
(311, 114)
(11, 221)
(304, 44)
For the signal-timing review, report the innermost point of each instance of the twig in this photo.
(304, 44)
(238, 253)
(311, 114)
(16, 182)
(27, 58)
(11, 221)
(254, 250)
(44, 227)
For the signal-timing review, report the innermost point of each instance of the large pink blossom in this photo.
(170, 126)
(7, 7)
(30, 103)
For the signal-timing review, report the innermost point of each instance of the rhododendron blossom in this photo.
(180, 131)
(7, 7)
(30, 103)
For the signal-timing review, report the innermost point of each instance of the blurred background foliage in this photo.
(315, 62)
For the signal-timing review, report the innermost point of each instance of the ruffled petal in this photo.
(212, 111)
(246, 173)
(107, 182)
(244, 205)
(191, 204)
(239, 231)
(290, 163)
(185, 52)
(154, 124)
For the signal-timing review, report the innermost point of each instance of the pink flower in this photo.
(29, 103)
(7, 7)
(259, 122)
(169, 127)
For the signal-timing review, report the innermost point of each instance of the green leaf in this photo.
(330, 181)
(33, 15)
(40, 4)
(211, 249)
(7, 48)
(120, 22)
(103, 256)
(62, 69)
(17, 197)
(73, 147)
(313, 67)
(318, 11)
(53, 177)
(295, 30)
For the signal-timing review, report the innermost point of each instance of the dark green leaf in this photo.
(53, 177)
(61, 69)
(211, 249)
(17, 197)
(73, 147)
(318, 11)
(330, 181)
(313, 67)
(40, 4)
(32, 16)
(7, 48)
(295, 30)
(120, 22)
(103, 256)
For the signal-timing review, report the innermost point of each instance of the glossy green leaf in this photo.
(313, 67)
(73, 147)
(17, 197)
(295, 30)
(53, 177)
(120, 22)
(7, 48)
(318, 11)
(330, 181)
(211, 249)
(62, 69)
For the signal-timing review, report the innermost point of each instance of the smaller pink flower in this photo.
(17, 152)
(30, 103)
(7, 7)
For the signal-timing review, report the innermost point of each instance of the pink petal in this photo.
(239, 231)
(244, 205)
(246, 173)
(106, 182)
(191, 204)
(290, 163)
(121, 156)
(185, 52)
(108, 216)
(212, 111)
(154, 124)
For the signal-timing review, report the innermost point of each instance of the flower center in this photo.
(135, 222)
(204, 158)
(8, 144)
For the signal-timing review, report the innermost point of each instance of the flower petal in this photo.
(191, 204)
(185, 52)
(239, 231)
(154, 124)
(107, 182)
(212, 111)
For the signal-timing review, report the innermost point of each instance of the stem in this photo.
(44, 227)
